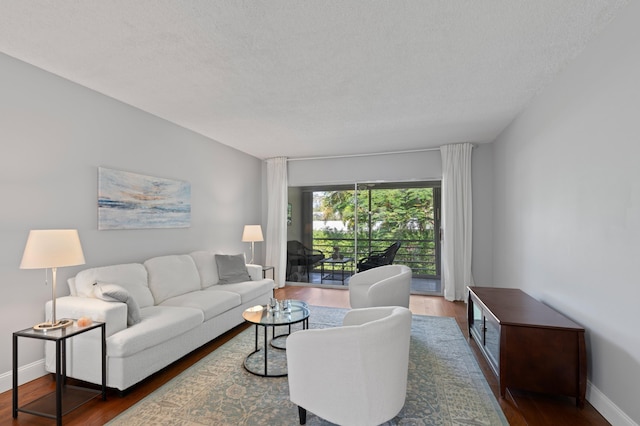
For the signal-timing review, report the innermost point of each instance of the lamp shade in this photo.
(51, 248)
(252, 233)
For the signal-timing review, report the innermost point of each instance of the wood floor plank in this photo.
(520, 408)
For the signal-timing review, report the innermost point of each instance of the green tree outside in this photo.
(384, 216)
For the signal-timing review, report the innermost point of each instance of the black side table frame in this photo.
(66, 397)
(333, 263)
(269, 268)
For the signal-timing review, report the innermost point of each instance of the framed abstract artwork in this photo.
(133, 201)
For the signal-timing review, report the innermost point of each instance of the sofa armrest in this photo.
(114, 314)
(255, 271)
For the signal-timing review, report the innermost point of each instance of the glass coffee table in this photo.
(263, 362)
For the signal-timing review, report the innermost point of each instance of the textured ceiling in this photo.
(302, 78)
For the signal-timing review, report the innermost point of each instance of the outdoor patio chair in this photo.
(301, 257)
(379, 258)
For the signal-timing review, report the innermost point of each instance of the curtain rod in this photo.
(331, 157)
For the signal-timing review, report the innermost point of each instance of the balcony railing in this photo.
(420, 255)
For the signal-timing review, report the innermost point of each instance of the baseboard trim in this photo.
(607, 408)
(26, 373)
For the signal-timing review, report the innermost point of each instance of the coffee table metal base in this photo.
(257, 362)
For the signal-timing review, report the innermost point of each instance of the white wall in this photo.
(386, 168)
(567, 208)
(421, 166)
(294, 231)
(482, 187)
(54, 134)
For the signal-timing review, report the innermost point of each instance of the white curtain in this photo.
(276, 244)
(456, 219)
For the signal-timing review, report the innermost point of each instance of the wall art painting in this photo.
(132, 201)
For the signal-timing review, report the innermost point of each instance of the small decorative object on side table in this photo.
(336, 253)
(66, 397)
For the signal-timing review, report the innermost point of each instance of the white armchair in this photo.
(355, 374)
(388, 285)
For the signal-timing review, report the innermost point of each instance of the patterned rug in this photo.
(445, 386)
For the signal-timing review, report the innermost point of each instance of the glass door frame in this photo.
(437, 216)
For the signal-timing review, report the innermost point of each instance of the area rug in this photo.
(445, 386)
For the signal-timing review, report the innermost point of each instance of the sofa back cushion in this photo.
(71, 282)
(207, 268)
(131, 276)
(171, 276)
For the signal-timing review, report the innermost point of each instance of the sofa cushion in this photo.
(131, 276)
(116, 293)
(171, 276)
(210, 303)
(232, 268)
(247, 290)
(207, 268)
(159, 324)
(71, 282)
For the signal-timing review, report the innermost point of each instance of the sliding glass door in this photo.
(351, 221)
(407, 214)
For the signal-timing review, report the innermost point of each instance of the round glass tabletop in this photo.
(262, 316)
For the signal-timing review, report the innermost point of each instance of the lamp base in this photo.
(45, 326)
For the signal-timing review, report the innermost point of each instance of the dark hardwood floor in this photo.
(520, 408)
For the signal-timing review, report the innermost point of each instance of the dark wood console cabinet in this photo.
(528, 345)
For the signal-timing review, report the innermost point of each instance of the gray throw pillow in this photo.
(116, 293)
(231, 268)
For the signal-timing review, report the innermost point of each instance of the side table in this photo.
(273, 275)
(269, 268)
(333, 263)
(66, 397)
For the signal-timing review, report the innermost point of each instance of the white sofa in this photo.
(183, 303)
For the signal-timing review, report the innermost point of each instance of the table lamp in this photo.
(52, 248)
(252, 233)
